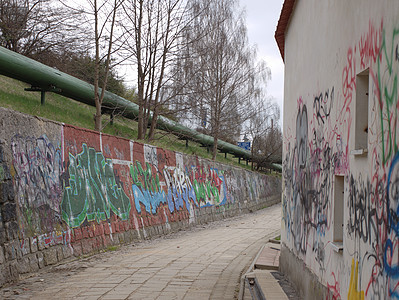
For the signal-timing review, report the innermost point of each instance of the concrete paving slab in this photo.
(187, 265)
(261, 281)
(268, 259)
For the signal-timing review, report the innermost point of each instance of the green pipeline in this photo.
(43, 77)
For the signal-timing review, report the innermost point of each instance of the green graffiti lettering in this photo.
(205, 191)
(144, 178)
(387, 84)
(93, 191)
(146, 188)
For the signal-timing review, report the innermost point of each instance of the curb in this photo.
(252, 266)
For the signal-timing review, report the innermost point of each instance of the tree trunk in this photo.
(215, 147)
(97, 100)
(252, 154)
(153, 125)
(97, 118)
(140, 121)
(141, 76)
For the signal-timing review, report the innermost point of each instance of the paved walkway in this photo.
(202, 263)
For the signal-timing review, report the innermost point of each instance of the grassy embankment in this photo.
(62, 109)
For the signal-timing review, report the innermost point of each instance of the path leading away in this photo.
(203, 263)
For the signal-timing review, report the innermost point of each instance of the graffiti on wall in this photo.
(370, 44)
(180, 189)
(80, 190)
(209, 186)
(302, 136)
(374, 201)
(93, 191)
(146, 188)
(37, 164)
(354, 293)
(386, 92)
(319, 150)
(311, 160)
(322, 105)
(183, 188)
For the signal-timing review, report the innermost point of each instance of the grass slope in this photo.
(62, 109)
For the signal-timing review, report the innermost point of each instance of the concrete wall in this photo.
(329, 46)
(67, 191)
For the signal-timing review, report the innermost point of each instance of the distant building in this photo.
(340, 215)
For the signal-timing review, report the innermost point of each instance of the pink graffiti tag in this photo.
(349, 75)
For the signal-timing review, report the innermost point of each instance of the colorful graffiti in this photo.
(79, 191)
(51, 238)
(146, 188)
(379, 196)
(209, 186)
(334, 290)
(183, 187)
(94, 190)
(386, 82)
(309, 167)
(354, 293)
(180, 189)
(38, 167)
(370, 45)
(319, 150)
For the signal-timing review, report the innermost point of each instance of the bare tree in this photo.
(57, 32)
(222, 65)
(267, 149)
(102, 18)
(155, 27)
(265, 134)
(36, 27)
(104, 26)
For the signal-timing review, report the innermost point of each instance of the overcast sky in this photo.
(262, 18)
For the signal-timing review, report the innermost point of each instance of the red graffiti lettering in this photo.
(349, 76)
(369, 46)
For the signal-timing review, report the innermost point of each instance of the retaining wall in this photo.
(67, 191)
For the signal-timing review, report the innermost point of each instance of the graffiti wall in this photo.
(69, 191)
(320, 148)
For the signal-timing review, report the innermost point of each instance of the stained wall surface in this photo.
(340, 198)
(67, 191)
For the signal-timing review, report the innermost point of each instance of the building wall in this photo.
(328, 45)
(67, 191)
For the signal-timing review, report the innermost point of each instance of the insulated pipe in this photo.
(46, 78)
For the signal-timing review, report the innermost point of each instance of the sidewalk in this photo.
(203, 263)
(263, 281)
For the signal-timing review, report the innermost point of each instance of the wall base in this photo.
(305, 282)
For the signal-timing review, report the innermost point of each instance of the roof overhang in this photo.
(282, 25)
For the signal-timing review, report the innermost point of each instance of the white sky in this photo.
(262, 18)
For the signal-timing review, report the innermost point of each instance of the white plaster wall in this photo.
(327, 44)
